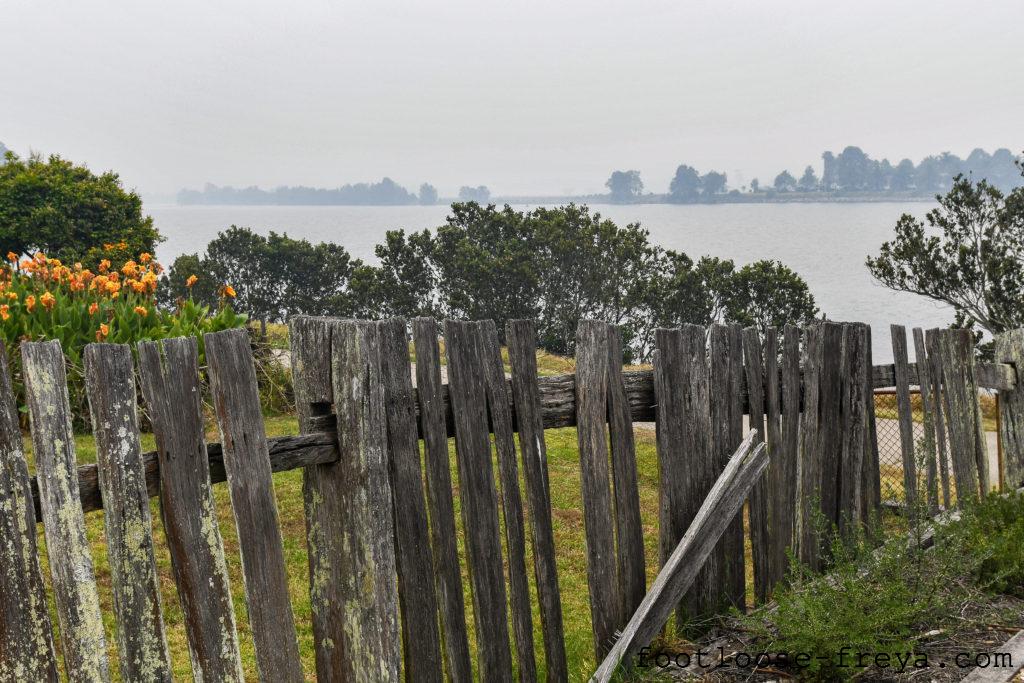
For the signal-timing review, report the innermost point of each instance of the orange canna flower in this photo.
(5, 311)
(13, 296)
(130, 268)
(141, 310)
(102, 333)
(145, 257)
(113, 287)
(30, 302)
(48, 301)
(12, 257)
(137, 286)
(104, 265)
(191, 281)
(93, 307)
(229, 291)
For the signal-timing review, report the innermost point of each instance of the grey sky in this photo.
(526, 97)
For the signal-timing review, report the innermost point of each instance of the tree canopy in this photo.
(624, 186)
(67, 211)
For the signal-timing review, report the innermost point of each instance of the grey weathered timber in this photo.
(938, 402)
(928, 410)
(439, 500)
(110, 385)
(855, 428)
(1005, 670)
(810, 462)
(716, 511)
(773, 483)
(236, 402)
(479, 500)
(1010, 349)
(785, 461)
(169, 373)
(421, 637)
(629, 534)
(726, 404)
(53, 443)
(498, 402)
(956, 349)
(830, 424)
(370, 644)
(26, 635)
(758, 506)
(871, 482)
(521, 336)
(595, 482)
(905, 413)
(310, 340)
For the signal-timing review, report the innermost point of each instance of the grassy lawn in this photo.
(563, 462)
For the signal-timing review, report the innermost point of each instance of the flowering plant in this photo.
(43, 298)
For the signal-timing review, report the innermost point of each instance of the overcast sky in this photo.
(525, 97)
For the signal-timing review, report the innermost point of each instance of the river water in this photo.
(825, 243)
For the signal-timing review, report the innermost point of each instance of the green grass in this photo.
(563, 464)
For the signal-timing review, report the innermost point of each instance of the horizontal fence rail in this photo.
(558, 409)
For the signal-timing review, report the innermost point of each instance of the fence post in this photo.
(1010, 349)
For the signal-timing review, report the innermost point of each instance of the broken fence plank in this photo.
(141, 640)
(759, 505)
(928, 411)
(1010, 349)
(26, 638)
(938, 402)
(236, 402)
(74, 582)
(905, 412)
(716, 512)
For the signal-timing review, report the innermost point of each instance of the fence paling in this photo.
(1010, 349)
(170, 384)
(110, 385)
(758, 506)
(906, 419)
(928, 409)
(27, 637)
(935, 381)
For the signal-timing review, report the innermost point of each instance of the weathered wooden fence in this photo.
(384, 567)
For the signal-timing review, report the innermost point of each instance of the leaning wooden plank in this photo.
(1010, 349)
(110, 385)
(236, 401)
(725, 402)
(439, 500)
(717, 510)
(1004, 669)
(928, 411)
(871, 482)
(370, 642)
(855, 429)
(169, 372)
(629, 534)
(522, 348)
(310, 340)
(479, 501)
(759, 505)
(938, 393)
(595, 482)
(421, 638)
(511, 498)
(905, 412)
(26, 635)
(53, 443)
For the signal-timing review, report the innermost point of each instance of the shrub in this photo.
(43, 298)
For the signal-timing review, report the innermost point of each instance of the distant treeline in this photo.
(385, 193)
(849, 174)
(555, 266)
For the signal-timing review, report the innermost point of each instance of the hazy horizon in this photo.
(527, 98)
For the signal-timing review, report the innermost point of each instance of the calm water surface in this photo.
(824, 243)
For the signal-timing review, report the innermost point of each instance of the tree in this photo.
(624, 186)
(65, 211)
(785, 182)
(685, 186)
(755, 185)
(405, 282)
(479, 194)
(428, 194)
(712, 183)
(970, 256)
(768, 294)
(808, 181)
(902, 176)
